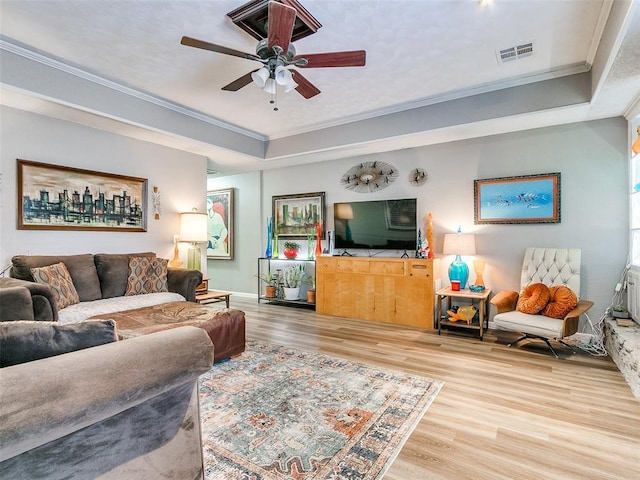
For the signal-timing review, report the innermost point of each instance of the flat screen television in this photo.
(376, 224)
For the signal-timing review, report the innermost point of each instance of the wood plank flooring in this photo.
(503, 413)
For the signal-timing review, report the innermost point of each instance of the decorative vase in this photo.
(309, 247)
(318, 242)
(268, 251)
(430, 254)
(275, 246)
(291, 293)
(270, 291)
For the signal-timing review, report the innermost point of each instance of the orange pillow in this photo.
(562, 301)
(534, 298)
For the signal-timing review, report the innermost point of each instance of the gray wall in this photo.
(237, 274)
(180, 177)
(591, 157)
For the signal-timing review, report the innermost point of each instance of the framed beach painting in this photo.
(220, 224)
(515, 200)
(296, 216)
(54, 197)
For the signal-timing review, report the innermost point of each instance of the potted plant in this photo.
(270, 281)
(292, 279)
(291, 249)
(310, 282)
(620, 312)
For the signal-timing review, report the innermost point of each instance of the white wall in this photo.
(179, 176)
(591, 157)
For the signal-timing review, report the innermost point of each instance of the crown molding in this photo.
(13, 47)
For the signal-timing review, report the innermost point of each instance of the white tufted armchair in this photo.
(551, 266)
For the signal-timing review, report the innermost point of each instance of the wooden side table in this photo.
(480, 297)
(213, 296)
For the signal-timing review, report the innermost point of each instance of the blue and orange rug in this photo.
(277, 413)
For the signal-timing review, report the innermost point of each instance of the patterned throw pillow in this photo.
(146, 275)
(58, 278)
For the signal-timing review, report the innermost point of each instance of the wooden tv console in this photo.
(391, 290)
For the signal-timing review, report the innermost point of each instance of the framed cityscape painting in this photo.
(296, 216)
(54, 197)
(220, 224)
(523, 199)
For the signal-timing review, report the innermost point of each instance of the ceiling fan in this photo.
(276, 53)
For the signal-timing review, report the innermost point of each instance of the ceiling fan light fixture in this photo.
(270, 86)
(284, 77)
(260, 77)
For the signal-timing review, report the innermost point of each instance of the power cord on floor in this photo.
(593, 342)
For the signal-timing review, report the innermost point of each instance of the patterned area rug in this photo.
(277, 413)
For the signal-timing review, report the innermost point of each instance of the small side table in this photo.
(213, 296)
(480, 297)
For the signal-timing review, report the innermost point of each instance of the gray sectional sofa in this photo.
(125, 410)
(100, 280)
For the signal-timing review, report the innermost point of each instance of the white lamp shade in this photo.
(193, 227)
(260, 77)
(344, 211)
(459, 244)
(270, 86)
(285, 78)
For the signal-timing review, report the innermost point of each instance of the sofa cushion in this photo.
(561, 301)
(81, 268)
(83, 310)
(146, 275)
(25, 341)
(113, 272)
(516, 321)
(58, 278)
(533, 298)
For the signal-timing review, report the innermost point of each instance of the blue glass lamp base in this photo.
(458, 270)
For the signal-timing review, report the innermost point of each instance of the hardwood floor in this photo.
(503, 413)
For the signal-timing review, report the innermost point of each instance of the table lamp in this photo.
(459, 244)
(193, 229)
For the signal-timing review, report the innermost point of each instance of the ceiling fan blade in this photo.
(281, 19)
(305, 87)
(193, 42)
(356, 58)
(237, 84)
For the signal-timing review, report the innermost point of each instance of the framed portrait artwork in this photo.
(220, 224)
(296, 216)
(514, 200)
(54, 197)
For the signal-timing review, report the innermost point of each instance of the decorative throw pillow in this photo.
(562, 301)
(505, 301)
(25, 341)
(533, 298)
(58, 278)
(147, 275)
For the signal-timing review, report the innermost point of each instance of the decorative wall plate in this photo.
(369, 176)
(418, 177)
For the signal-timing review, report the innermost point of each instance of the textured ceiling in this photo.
(419, 53)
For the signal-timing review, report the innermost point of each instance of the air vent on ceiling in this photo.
(514, 53)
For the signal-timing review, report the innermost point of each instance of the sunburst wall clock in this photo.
(369, 177)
